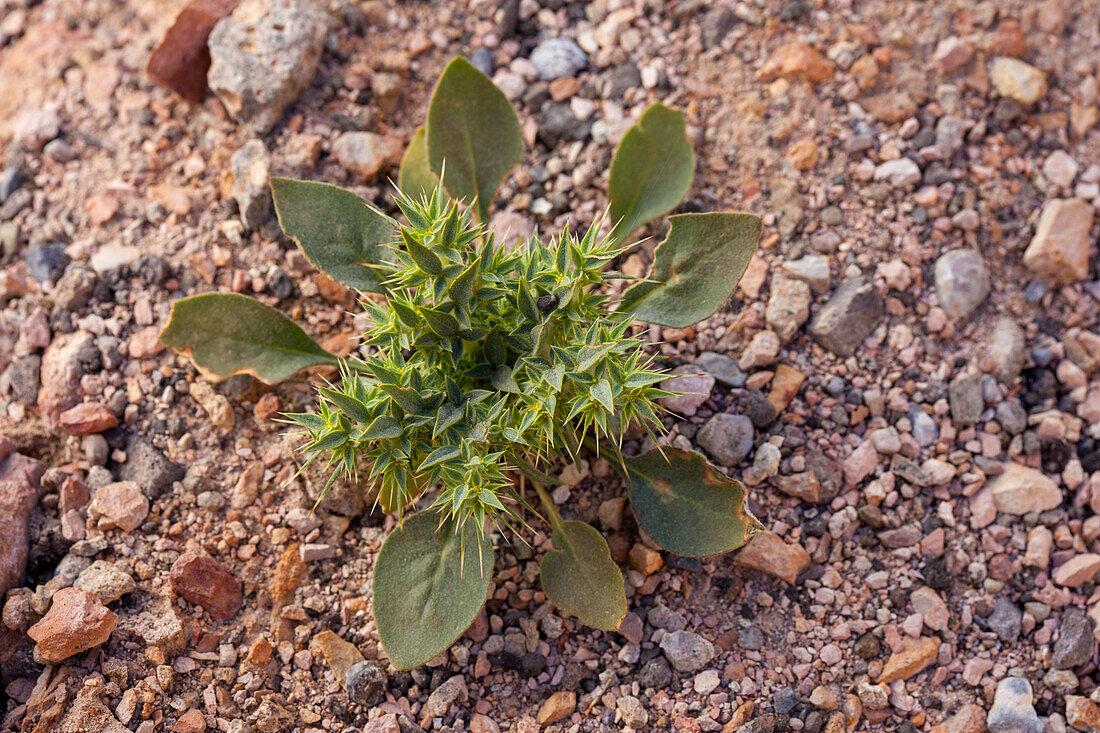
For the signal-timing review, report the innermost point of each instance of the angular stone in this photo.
(450, 692)
(1078, 570)
(849, 316)
(87, 418)
(202, 580)
(761, 351)
(929, 604)
(19, 477)
(122, 503)
(951, 53)
(690, 387)
(1060, 249)
(63, 364)
(365, 683)
(767, 552)
(339, 654)
(796, 62)
(1076, 642)
(76, 622)
(263, 55)
(107, 581)
(247, 182)
(785, 385)
(367, 154)
(788, 306)
(1082, 713)
(812, 270)
(181, 59)
(891, 107)
(898, 173)
(1019, 489)
(962, 281)
(1017, 80)
(804, 486)
(915, 655)
(726, 438)
(686, 651)
(965, 397)
(1012, 710)
(557, 707)
(1006, 349)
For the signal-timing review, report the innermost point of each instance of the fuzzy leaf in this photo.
(381, 427)
(428, 587)
(473, 135)
(339, 232)
(352, 407)
(415, 177)
(695, 269)
(686, 505)
(651, 171)
(227, 334)
(440, 455)
(580, 577)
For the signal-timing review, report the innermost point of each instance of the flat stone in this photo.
(557, 707)
(951, 54)
(767, 552)
(341, 655)
(891, 107)
(1006, 621)
(181, 59)
(962, 282)
(899, 173)
(1019, 489)
(202, 580)
(849, 316)
(691, 389)
(76, 622)
(804, 486)
(1006, 349)
(1060, 249)
(263, 55)
(1078, 570)
(812, 270)
(964, 395)
(726, 438)
(762, 351)
(367, 154)
(686, 651)
(788, 306)
(19, 477)
(87, 418)
(1012, 710)
(450, 692)
(914, 656)
(1075, 643)
(122, 503)
(1017, 80)
(721, 367)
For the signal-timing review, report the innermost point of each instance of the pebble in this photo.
(1019, 489)
(263, 55)
(899, 173)
(788, 306)
(1078, 570)
(367, 154)
(928, 603)
(10, 181)
(633, 712)
(964, 395)
(762, 351)
(1060, 249)
(1012, 710)
(181, 59)
(796, 62)
(46, 262)
(557, 707)
(1075, 643)
(913, 656)
(1060, 168)
(77, 621)
(447, 694)
(721, 367)
(19, 477)
(849, 316)
(558, 57)
(149, 468)
(686, 651)
(107, 581)
(726, 438)
(1017, 80)
(768, 553)
(962, 282)
(205, 582)
(951, 53)
(366, 683)
(691, 390)
(812, 270)
(247, 181)
(1082, 713)
(122, 503)
(87, 418)
(1006, 620)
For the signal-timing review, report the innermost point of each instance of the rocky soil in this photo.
(907, 378)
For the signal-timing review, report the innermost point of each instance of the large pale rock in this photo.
(1012, 710)
(1019, 489)
(962, 281)
(1017, 80)
(122, 504)
(76, 622)
(1060, 249)
(768, 552)
(1082, 713)
(263, 55)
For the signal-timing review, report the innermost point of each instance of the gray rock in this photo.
(751, 638)
(1006, 349)
(898, 173)
(366, 683)
(23, 375)
(788, 306)
(726, 438)
(482, 60)
(263, 55)
(450, 692)
(249, 183)
(962, 281)
(849, 316)
(46, 262)
(10, 181)
(812, 270)
(949, 135)
(717, 23)
(557, 123)
(19, 200)
(686, 651)
(690, 389)
(965, 396)
(558, 57)
(761, 724)
(925, 431)
(663, 617)
(1075, 641)
(1006, 621)
(149, 468)
(722, 368)
(1012, 416)
(1012, 711)
(655, 674)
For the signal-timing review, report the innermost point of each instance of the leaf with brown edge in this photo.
(695, 269)
(580, 577)
(686, 505)
(226, 334)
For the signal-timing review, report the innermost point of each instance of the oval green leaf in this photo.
(226, 334)
(651, 171)
(473, 135)
(428, 587)
(340, 233)
(415, 177)
(686, 505)
(695, 269)
(580, 577)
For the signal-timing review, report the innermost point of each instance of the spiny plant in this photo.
(484, 364)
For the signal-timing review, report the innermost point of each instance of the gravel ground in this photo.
(906, 378)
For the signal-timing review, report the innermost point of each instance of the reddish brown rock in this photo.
(796, 61)
(204, 581)
(122, 503)
(181, 59)
(890, 107)
(190, 722)
(62, 367)
(1008, 39)
(74, 494)
(19, 477)
(915, 655)
(88, 418)
(76, 622)
(767, 552)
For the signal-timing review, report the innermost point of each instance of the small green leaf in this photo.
(442, 324)
(473, 135)
(580, 577)
(601, 391)
(695, 269)
(354, 409)
(429, 585)
(651, 171)
(382, 427)
(686, 505)
(445, 417)
(415, 177)
(227, 334)
(340, 233)
(504, 381)
(441, 454)
(424, 258)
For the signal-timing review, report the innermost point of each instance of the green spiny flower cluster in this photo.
(481, 356)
